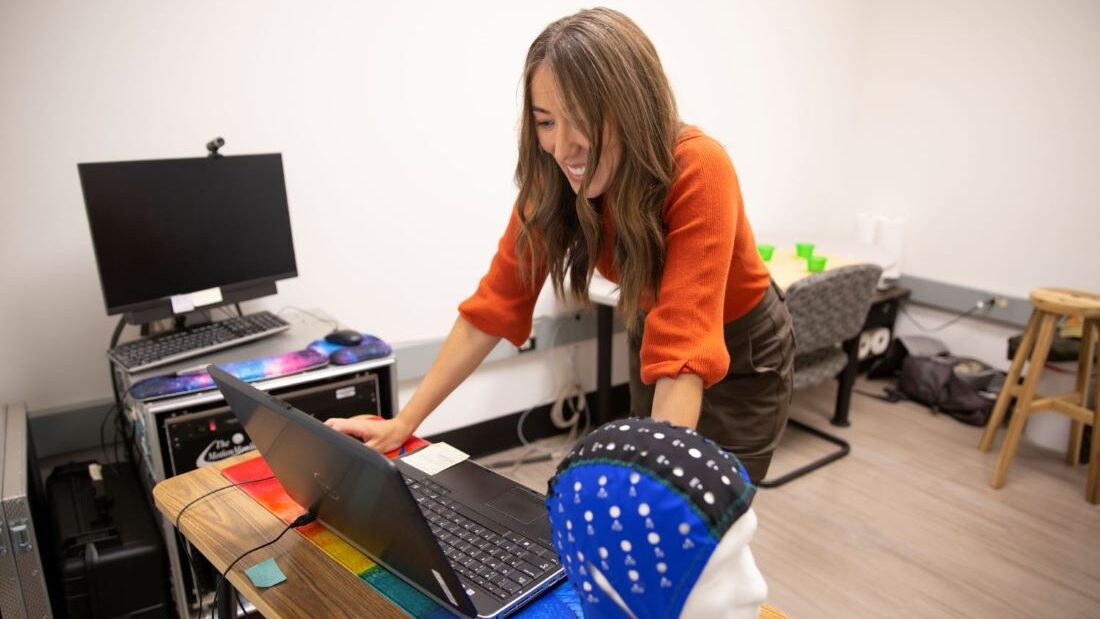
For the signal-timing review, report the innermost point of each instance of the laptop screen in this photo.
(357, 492)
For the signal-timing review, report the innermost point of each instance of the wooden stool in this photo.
(1050, 305)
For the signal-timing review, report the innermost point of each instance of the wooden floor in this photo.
(907, 525)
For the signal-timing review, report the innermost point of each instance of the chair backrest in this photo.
(830, 307)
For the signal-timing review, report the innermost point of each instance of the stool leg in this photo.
(1001, 407)
(1023, 403)
(1092, 495)
(1080, 391)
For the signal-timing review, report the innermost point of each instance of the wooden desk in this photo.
(229, 523)
(786, 268)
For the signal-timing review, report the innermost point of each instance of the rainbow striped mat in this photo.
(559, 602)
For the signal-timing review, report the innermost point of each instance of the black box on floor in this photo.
(106, 545)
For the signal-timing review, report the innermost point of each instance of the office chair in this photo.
(828, 311)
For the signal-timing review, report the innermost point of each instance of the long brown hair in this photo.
(609, 75)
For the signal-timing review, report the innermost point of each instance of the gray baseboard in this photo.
(75, 428)
(414, 358)
(955, 298)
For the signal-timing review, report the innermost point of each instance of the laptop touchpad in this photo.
(519, 505)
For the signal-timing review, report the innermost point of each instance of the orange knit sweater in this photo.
(712, 272)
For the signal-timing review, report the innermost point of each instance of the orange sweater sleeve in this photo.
(503, 305)
(684, 329)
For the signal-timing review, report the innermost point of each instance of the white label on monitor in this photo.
(182, 303)
(206, 297)
(435, 458)
(346, 392)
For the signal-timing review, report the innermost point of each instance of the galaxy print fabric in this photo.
(636, 510)
(249, 370)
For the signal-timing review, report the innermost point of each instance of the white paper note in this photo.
(206, 297)
(181, 303)
(435, 458)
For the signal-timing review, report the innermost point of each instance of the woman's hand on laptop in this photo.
(377, 433)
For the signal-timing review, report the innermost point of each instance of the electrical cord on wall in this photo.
(571, 396)
(302, 520)
(983, 305)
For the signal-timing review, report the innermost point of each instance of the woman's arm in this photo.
(678, 400)
(464, 349)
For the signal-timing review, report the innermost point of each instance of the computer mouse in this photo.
(344, 337)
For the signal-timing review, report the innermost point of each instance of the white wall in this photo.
(397, 123)
(979, 123)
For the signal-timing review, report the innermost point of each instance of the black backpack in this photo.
(962, 388)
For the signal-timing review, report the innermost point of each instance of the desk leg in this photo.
(845, 382)
(227, 600)
(605, 315)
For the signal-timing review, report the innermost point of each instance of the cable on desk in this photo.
(187, 546)
(335, 324)
(302, 520)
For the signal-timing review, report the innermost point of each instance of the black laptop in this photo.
(472, 540)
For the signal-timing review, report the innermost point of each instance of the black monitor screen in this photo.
(176, 226)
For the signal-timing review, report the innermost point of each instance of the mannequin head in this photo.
(653, 520)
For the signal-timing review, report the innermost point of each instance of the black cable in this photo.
(239, 312)
(121, 426)
(102, 437)
(187, 546)
(111, 363)
(115, 438)
(302, 520)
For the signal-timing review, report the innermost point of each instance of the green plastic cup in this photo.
(816, 264)
(804, 250)
(766, 251)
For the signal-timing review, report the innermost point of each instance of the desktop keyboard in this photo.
(500, 562)
(171, 347)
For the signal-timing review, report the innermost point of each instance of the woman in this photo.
(611, 180)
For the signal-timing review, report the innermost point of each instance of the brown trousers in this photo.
(747, 410)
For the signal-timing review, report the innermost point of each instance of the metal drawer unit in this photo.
(23, 590)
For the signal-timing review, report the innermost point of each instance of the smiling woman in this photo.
(611, 180)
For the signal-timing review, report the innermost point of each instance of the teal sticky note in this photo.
(265, 574)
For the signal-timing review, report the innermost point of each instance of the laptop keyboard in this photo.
(501, 562)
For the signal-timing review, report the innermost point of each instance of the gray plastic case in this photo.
(23, 592)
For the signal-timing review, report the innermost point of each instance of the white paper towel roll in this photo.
(865, 228)
(890, 237)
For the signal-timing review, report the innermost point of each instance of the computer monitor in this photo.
(169, 228)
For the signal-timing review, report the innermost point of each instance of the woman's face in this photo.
(565, 143)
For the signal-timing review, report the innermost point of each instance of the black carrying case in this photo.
(109, 556)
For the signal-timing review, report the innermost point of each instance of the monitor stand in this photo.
(230, 295)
